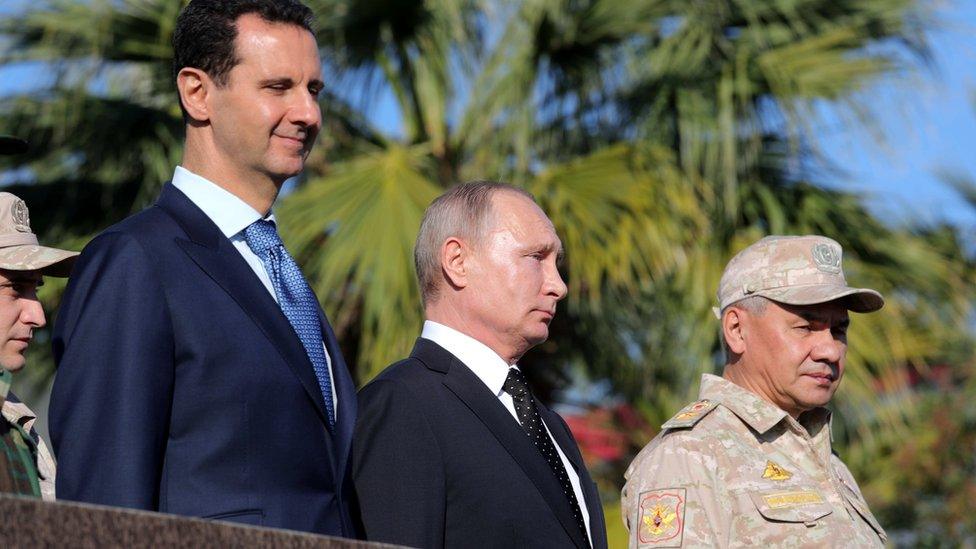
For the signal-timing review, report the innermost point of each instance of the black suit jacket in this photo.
(182, 387)
(439, 462)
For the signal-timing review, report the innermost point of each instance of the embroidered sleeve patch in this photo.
(662, 518)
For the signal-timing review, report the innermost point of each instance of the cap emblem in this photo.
(826, 258)
(21, 217)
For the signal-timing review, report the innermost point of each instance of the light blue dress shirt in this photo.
(232, 215)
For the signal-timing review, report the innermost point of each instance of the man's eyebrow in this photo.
(549, 247)
(814, 316)
(277, 80)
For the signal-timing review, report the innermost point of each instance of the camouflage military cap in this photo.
(19, 249)
(795, 270)
(12, 145)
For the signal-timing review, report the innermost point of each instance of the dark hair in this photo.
(206, 29)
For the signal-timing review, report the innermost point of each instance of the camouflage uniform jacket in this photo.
(733, 470)
(21, 419)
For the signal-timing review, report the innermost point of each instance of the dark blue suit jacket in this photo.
(439, 462)
(182, 388)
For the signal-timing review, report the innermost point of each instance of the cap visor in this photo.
(48, 261)
(859, 300)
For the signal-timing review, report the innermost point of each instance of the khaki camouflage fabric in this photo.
(796, 270)
(19, 249)
(18, 420)
(733, 470)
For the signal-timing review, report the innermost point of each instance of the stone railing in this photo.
(29, 522)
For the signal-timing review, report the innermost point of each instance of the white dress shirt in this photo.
(232, 215)
(492, 371)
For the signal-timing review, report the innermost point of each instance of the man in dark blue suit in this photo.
(197, 374)
(452, 449)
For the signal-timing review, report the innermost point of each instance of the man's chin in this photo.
(12, 364)
(287, 168)
(538, 336)
(818, 400)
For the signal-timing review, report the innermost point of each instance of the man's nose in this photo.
(305, 110)
(554, 283)
(829, 347)
(33, 314)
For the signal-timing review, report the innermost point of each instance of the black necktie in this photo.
(528, 416)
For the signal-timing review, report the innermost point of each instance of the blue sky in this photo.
(927, 120)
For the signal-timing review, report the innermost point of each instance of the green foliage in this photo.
(661, 136)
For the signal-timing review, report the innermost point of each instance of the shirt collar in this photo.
(755, 412)
(231, 214)
(478, 357)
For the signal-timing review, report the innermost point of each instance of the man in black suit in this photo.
(452, 449)
(197, 374)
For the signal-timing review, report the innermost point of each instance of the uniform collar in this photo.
(12, 409)
(755, 412)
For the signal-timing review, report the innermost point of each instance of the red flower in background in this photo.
(607, 434)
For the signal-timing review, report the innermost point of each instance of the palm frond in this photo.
(354, 229)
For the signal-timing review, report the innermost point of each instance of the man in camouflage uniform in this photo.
(26, 465)
(750, 463)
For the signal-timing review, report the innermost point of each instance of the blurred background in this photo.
(661, 136)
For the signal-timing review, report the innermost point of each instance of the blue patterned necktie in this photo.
(296, 300)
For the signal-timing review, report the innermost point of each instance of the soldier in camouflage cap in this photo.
(750, 463)
(26, 465)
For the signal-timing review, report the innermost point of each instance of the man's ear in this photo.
(194, 86)
(454, 256)
(733, 330)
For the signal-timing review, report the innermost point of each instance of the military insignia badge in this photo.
(693, 410)
(662, 518)
(690, 414)
(775, 472)
(21, 219)
(827, 258)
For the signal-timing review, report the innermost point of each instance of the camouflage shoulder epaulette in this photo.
(690, 414)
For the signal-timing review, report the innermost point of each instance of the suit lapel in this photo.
(563, 438)
(218, 258)
(345, 389)
(569, 447)
(461, 381)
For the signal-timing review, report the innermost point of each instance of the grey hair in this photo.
(464, 211)
(755, 304)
